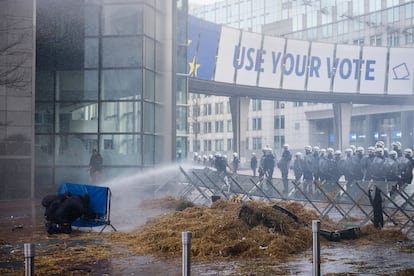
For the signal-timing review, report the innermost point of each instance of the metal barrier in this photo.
(341, 201)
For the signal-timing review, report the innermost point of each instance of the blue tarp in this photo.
(98, 202)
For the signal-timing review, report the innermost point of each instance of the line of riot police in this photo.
(377, 164)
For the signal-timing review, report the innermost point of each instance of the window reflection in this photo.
(121, 117)
(121, 84)
(77, 117)
(74, 149)
(77, 85)
(121, 149)
(122, 52)
(122, 19)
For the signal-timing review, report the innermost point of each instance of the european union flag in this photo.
(204, 37)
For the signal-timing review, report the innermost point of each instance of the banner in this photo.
(247, 58)
(400, 71)
(295, 63)
(345, 68)
(318, 75)
(229, 41)
(271, 74)
(373, 70)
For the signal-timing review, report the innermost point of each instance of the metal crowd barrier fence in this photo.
(341, 201)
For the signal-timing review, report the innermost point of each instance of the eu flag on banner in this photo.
(193, 32)
(203, 37)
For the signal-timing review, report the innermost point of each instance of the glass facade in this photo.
(99, 86)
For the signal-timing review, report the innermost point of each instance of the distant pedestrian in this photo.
(253, 163)
(283, 166)
(95, 166)
(235, 162)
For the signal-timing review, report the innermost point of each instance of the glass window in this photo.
(148, 117)
(44, 117)
(121, 149)
(229, 126)
(44, 149)
(279, 122)
(149, 147)
(149, 88)
(181, 119)
(45, 85)
(77, 85)
(149, 54)
(122, 52)
(121, 117)
(257, 143)
(91, 52)
(91, 20)
(121, 84)
(122, 20)
(74, 149)
(77, 117)
(182, 91)
(219, 145)
(229, 144)
(73, 175)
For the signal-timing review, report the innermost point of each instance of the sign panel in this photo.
(373, 70)
(248, 58)
(318, 75)
(346, 67)
(273, 50)
(295, 63)
(229, 40)
(400, 71)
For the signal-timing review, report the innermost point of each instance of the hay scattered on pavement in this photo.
(217, 232)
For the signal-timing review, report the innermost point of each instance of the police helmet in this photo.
(308, 148)
(330, 150)
(218, 154)
(298, 154)
(338, 152)
(379, 151)
(353, 147)
(360, 150)
(380, 144)
(348, 150)
(393, 153)
(235, 154)
(370, 149)
(396, 145)
(286, 146)
(316, 148)
(408, 152)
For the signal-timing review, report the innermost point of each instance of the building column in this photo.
(407, 129)
(342, 124)
(239, 107)
(369, 131)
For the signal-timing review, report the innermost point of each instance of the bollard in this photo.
(316, 267)
(29, 253)
(186, 239)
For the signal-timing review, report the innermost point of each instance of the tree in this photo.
(14, 55)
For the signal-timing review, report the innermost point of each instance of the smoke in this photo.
(128, 192)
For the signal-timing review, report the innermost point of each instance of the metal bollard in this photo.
(316, 266)
(29, 253)
(186, 239)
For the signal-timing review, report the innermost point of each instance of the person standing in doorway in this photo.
(95, 166)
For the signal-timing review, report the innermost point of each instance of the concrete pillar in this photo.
(407, 129)
(369, 131)
(342, 125)
(239, 107)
